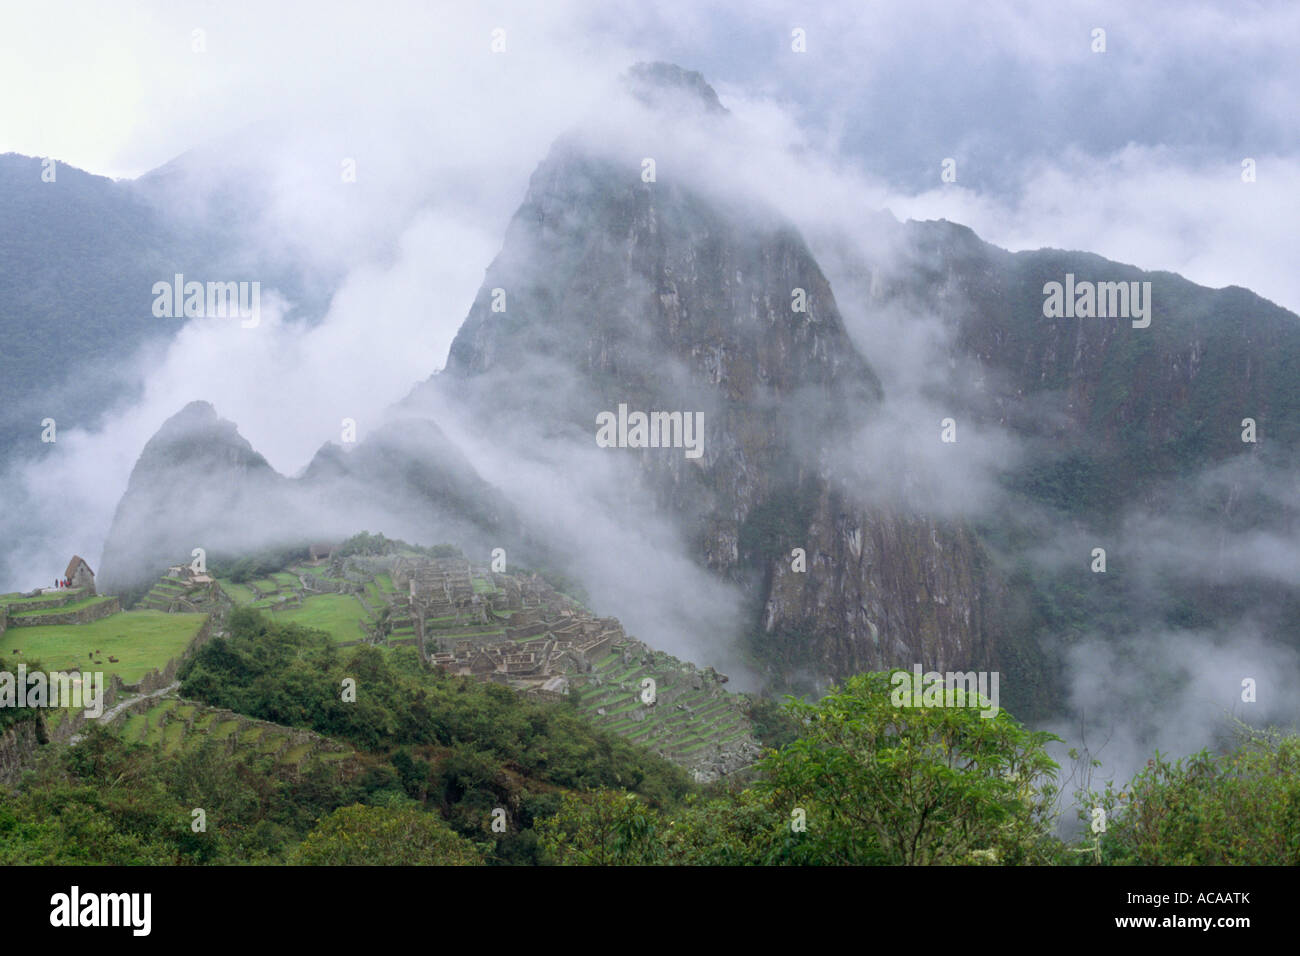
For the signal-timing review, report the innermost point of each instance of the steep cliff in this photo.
(637, 277)
(665, 296)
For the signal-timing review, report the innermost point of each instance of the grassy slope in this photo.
(65, 609)
(142, 640)
(339, 615)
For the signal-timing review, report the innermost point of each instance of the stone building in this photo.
(79, 574)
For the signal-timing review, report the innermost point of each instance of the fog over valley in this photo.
(746, 353)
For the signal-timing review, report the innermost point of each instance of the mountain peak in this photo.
(198, 432)
(662, 84)
(197, 411)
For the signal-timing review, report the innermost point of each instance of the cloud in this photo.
(1134, 154)
(1176, 692)
(1146, 206)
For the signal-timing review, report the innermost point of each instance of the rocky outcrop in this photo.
(18, 746)
(660, 296)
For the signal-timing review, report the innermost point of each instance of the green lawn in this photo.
(33, 607)
(340, 615)
(321, 572)
(134, 729)
(13, 600)
(237, 592)
(65, 609)
(386, 584)
(296, 754)
(142, 640)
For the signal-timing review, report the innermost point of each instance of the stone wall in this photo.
(57, 599)
(17, 747)
(157, 679)
(75, 720)
(80, 616)
(594, 652)
(314, 585)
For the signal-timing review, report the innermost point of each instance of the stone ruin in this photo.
(520, 632)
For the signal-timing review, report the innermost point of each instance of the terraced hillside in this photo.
(177, 725)
(309, 596)
(179, 596)
(517, 630)
(56, 607)
(19, 603)
(669, 707)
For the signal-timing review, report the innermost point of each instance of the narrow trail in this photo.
(111, 714)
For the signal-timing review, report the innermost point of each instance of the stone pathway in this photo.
(111, 714)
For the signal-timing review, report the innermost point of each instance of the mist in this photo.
(444, 135)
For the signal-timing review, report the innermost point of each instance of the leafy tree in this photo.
(385, 836)
(605, 828)
(1237, 808)
(884, 784)
(865, 783)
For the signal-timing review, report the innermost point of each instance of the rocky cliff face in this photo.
(660, 296)
(620, 283)
(1127, 438)
(1170, 394)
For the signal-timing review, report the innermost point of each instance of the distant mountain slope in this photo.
(195, 472)
(1129, 438)
(1158, 399)
(79, 257)
(199, 484)
(675, 294)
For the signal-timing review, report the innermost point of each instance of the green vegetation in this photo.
(366, 543)
(339, 615)
(15, 602)
(1240, 808)
(289, 674)
(241, 570)
(79, 605)
(238, 593)
(863, 781)
(867, 783)
(110, 801)
(385, 836)
(141, 640)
